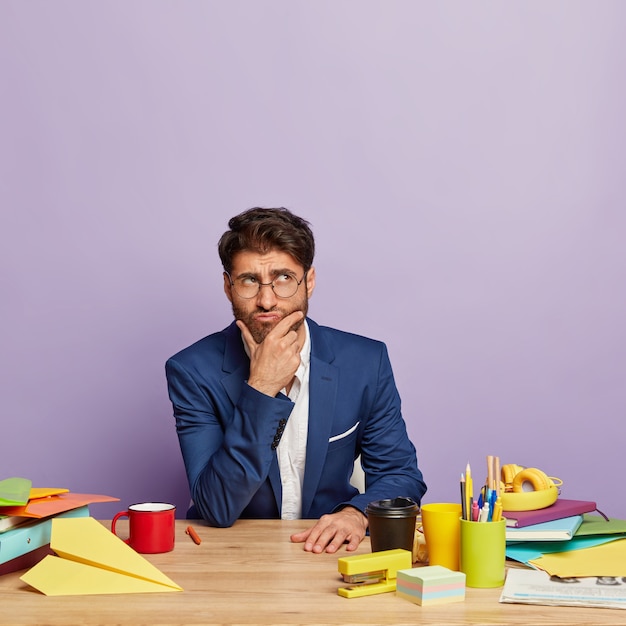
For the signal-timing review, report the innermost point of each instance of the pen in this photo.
(492, 503)
(194, 535)
(484, 513)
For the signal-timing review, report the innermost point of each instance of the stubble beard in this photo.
(260, 330)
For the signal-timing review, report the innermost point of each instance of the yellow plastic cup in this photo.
(483, 553)
(440, 522)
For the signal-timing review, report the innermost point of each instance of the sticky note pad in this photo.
(430, 585)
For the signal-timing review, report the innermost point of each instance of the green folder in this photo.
(596, 525)
(14, 491)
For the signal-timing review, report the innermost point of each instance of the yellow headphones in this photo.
(527, 488)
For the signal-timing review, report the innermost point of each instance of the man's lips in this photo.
(267, 317)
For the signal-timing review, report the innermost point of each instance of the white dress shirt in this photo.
(291, 450)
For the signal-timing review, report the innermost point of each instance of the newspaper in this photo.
(538, 587)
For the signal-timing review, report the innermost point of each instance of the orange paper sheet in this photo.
(44, 507)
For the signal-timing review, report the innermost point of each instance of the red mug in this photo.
(151, 526)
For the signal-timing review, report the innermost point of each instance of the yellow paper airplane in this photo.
(92, 560)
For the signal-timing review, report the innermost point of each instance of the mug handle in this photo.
(114, 521)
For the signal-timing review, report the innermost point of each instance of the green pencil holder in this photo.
(483, 553)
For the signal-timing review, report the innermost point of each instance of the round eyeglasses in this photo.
(284, 285)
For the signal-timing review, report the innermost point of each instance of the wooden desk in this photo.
(252, 574)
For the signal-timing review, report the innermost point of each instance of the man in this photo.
(272, 412)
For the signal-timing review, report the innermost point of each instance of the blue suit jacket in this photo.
(228, 431)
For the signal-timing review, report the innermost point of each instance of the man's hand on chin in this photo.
(274, 361)
(331, 531)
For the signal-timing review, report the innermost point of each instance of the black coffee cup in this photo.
(392, 523)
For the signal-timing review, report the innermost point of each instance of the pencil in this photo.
(497, 474)
(463, 500)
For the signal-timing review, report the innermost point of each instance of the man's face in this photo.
(262, 312)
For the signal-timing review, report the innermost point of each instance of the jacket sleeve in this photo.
(227, 450)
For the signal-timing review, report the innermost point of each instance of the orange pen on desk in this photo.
(194, 535)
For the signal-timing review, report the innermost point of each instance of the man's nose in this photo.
(266, 297)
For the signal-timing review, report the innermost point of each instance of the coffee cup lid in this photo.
(393, 507)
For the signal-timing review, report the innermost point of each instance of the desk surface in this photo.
(252, 574)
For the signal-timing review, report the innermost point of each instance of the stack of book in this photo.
(577, 559)
(26, 515)
(559, 521)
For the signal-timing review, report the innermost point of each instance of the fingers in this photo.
(284, 326)
(353, 543)
(313, 538)
(330, 539)
(331, 532)
(301, 536)
(246, 334)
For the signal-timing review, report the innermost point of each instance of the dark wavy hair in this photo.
(261, 230)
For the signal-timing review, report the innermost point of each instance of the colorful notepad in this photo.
(429, 585)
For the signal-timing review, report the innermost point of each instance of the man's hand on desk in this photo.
(331, 531)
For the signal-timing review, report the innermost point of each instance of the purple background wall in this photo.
(462, 164)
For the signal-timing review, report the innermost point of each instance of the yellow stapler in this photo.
(369, 574)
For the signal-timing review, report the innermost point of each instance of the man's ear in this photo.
(310, 282)
(228, 288)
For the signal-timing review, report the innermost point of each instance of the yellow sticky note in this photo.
(92, 560)
(45, 492)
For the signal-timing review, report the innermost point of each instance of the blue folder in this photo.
(28, 537)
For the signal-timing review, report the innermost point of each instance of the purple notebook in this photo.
(560, 509)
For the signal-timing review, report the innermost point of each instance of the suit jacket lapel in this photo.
(323, 381)
(235, 364)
